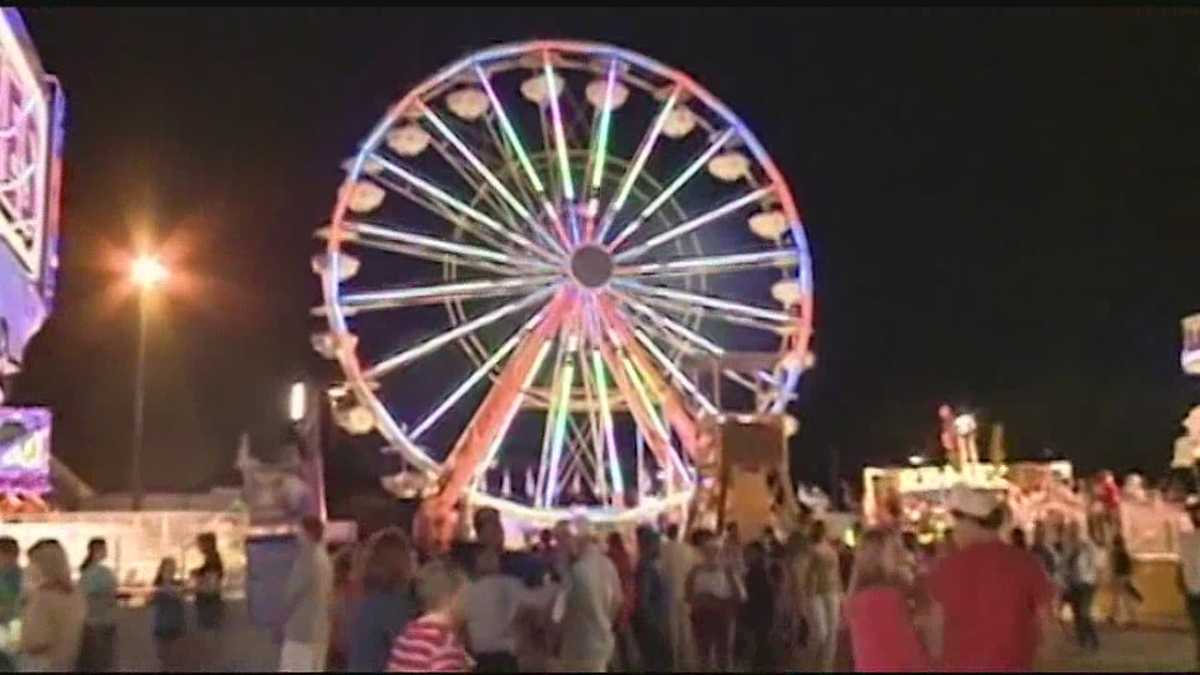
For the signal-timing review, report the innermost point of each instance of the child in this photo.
(169, 622)
(430, 642)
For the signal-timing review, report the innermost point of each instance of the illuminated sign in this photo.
(25, 148)
(25, 450)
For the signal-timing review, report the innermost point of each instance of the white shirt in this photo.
(1085, 562)
(676, 561)
(1189, 559)
(715, 582)
(592, 600)
(492, 605)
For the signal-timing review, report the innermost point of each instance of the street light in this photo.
(147, 273)
(297, 402)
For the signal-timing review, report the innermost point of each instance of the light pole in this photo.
(147, 273)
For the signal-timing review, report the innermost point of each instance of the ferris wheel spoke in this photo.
(634, 381)
(361, 230)
(693, 223)
(615, 478)
(716, 264)
(599, 145)
(437, 342)
(560, 138)
(676, 374)
(449, 215)
(782, 321)
(429, 254)
(395, 298)
(490, 177)
(594, 424)
(556, 418)
(480, 373)
(639, 162)
(684, 310)
(454, 203)
(678, 334)
(670, 190)
(510, 133)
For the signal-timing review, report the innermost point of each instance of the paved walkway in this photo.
(242, 647)
(239, 647)
(1123, 651)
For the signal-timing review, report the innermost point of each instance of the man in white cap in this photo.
(592, 601)
(989, 598)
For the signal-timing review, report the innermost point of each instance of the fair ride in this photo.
(528, 251)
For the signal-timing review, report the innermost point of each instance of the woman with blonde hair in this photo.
(879, 609)
(54, 613)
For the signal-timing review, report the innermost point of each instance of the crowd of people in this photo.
(69, 623)
(581, 600)
(654, 599)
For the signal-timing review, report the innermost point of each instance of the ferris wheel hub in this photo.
(591, 266)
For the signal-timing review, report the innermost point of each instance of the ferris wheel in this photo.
(530, 252)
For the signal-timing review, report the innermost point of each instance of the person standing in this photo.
(169, 623)
(591, 603)
(387, 603)
(493, 607)
(1082, 562)
(653, 606)
(1045, 551)
(1189, 569)
(1126, 597)
(758, 613)
(207, 581)
(977, 622)
(99, 586)
(676, 561)
(883, 635)
(346, 595)
(10, 580)
(622, 628)
(791, 634)
(308, 603)
(712, 595)
(10, 594)
(53, 614)
(825, 586)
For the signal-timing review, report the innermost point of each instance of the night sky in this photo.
(1003, 209)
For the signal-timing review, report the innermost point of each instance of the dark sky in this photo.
(1003, 208)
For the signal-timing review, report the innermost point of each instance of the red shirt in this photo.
(427, 645)
(882, 632)
(990, 594)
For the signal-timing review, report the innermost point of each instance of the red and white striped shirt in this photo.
(428, 645)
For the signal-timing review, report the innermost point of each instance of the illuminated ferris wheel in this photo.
(529, 253)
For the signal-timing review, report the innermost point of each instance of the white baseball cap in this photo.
(969, 502)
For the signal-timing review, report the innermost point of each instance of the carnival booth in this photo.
(913, 497)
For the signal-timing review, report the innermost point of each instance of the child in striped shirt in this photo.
(431, 643)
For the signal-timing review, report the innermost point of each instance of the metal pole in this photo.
(139, 400)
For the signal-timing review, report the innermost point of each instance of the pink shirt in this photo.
(882, 632)
(427, 646)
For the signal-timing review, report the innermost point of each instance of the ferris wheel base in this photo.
(747, 482)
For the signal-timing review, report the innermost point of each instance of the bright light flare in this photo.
(297, 402)
(148, 271)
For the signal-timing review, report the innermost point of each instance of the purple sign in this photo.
(25, 450)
